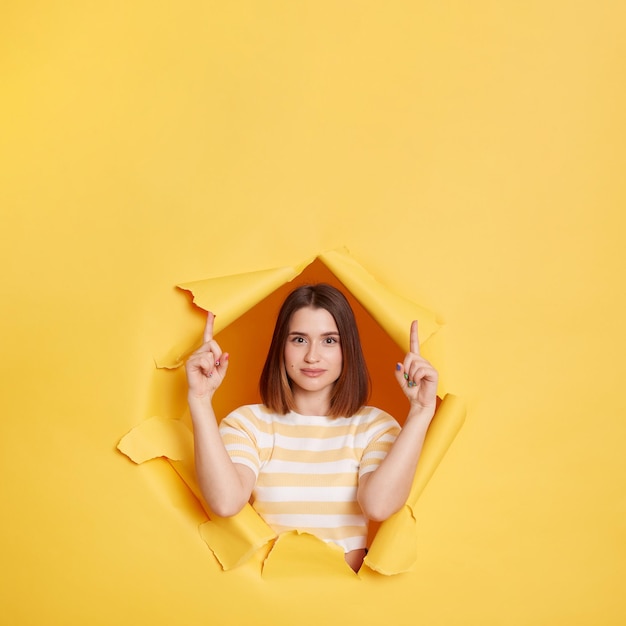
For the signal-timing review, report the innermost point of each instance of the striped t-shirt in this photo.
(308, 467)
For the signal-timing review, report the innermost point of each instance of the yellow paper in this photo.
(469, 154)
(301, 554)
(157, 437)
(236, 539)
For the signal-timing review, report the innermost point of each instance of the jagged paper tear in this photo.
(234, 295)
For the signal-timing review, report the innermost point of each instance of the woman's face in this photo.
(313, 355)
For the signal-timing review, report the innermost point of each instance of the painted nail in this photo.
(398, 367)
(406, 376)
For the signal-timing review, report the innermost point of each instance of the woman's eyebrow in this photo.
(327, 334)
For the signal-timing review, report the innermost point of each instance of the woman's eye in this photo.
(298, 339)
(331, 340)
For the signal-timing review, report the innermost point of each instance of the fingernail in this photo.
(217, 363)
(398, 367)
(406, 376)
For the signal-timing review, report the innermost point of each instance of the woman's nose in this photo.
(311, 354)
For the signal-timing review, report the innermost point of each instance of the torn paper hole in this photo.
(237, 539)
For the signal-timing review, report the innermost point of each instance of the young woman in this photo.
(313, 456)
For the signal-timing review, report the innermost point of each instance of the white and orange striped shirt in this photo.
(308, 467)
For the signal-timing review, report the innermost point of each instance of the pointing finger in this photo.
(208, 329)
(414, 342)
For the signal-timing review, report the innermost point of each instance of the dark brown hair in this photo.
(353, 385)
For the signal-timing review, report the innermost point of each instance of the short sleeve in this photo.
(239, 435)
(382, 433)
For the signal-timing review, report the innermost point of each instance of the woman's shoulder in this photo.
(372, 414)
(252, 412)
(254, 419)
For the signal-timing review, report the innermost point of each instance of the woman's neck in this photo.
(311, 403)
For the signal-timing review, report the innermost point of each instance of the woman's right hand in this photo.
(207, 366)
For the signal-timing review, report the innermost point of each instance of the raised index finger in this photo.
(208, 329)
(414, 342)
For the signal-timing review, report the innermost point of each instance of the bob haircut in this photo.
(353, 385)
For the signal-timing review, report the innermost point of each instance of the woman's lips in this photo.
(312, 373)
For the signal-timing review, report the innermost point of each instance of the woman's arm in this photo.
(225, 486)
(385, 490)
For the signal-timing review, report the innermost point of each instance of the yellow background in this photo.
(469, 154)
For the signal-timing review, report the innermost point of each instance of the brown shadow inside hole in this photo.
(248, 338)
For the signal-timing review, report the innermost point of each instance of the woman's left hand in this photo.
(417, 377)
